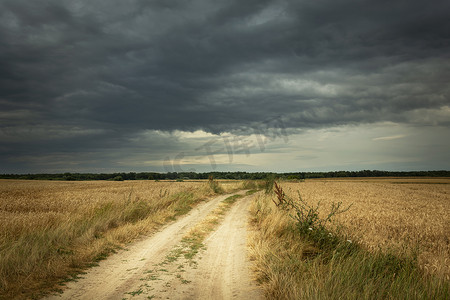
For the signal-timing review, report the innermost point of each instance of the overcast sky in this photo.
(254, 85)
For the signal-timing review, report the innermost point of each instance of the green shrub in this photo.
(268, 184)
(249, 185)
(214, 185)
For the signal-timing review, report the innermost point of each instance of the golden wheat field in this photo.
(399, 214)
(50, 228)
(29, 205)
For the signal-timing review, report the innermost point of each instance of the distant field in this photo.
(51, 228)
(390, 213)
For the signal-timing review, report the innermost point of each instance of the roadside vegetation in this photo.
(52, 231)
(301, 252)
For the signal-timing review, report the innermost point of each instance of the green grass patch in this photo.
(250, 192)
(135, 293)
(232, 199)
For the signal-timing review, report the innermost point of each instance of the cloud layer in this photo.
(83, 77)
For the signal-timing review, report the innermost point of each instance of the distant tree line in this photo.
(222, 175)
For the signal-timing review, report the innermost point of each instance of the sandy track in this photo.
(224, 270)
(142, 271)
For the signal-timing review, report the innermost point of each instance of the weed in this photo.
(214, 185)
(281, 196)
(307, 219)
(128, 270)
(250, 192)
(174, 255)
(268, 184)
(59, 291)
(163, 193)
(249, 185)
(134, 293)
(232, 199)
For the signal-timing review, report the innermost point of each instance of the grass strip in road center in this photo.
(192, 242)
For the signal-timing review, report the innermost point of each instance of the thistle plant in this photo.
(307, 218)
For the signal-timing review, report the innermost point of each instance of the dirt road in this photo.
(154, 268)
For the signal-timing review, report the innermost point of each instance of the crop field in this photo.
(390, 214)
(393, 242)
(49, 229)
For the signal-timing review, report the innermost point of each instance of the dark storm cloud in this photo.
(84, 75)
